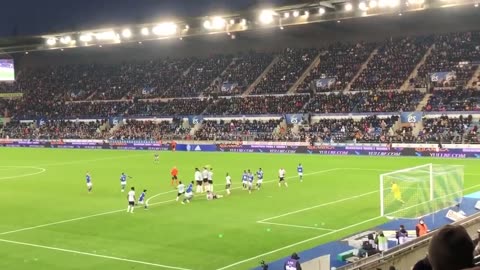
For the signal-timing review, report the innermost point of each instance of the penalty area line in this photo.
(92, 254)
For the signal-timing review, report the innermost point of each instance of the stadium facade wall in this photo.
(396, 150)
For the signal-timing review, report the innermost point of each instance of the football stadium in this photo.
(281, 135)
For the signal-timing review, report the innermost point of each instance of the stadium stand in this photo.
(168, 107)
(454, 100)
(237, 130)
(292, 63)
(339, 61)
(242, 72)
(149, 130)
(455, 52)
(257, 105)
(393, 63)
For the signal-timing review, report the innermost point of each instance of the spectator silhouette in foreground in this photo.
(451, 248)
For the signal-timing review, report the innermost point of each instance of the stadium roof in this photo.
(297, 13)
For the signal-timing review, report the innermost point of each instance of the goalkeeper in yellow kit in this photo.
(397, 194)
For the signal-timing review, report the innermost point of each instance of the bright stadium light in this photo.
(51, 41)
(416, 2)
(207, 24)
(393, 3)
(286, 15)
(348, 7)
(145, 31)
(127, 33)
(65, 40)
(372, 4)
(266, 16)
(107, 35)
(362, 6)
(382, 3)
(321, 11)
(232, 21)
(86, 37)
(165, 29)
(296, 13)
(307, 13)
(218, 23)
(243, 22)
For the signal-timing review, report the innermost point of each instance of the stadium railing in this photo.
(406, 255)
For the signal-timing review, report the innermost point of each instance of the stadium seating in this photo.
(393, 63)
(237, 130)
(456, 52)
(149, 130)
(291, 64)
(168, 107)
(449, 130)
(242, 72)
(454, 100)
(258, 105)
(338, 61)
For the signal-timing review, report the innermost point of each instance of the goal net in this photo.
(418, 191)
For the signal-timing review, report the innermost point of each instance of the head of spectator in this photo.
(451, 248)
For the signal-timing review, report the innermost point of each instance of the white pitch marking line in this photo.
(75, 219)
(311, 239)
(92, 254)
(296, 226)
(299, 243)
(40, 170)
(120, 210)
(320, 205)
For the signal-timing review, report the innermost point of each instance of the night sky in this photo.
(29, 17)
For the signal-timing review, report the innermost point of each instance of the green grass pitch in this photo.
(48, 221)
(7, 75)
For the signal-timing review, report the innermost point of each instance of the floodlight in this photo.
(218, 23)
(382, 3)
(307, 13)
(127, 33)
(145, 31)
(187, 27)
(165, 29)
(86, 37)
(51, 41)
(232, 21)
(373, 4)
(348, 7)
(266, 16)
(362, 6)
(107, 35)
(207, 24)
(393, 3)
(321, 11)
(286, 15)
(476, 5)
(65, 40)
(243, 22)
(296, 13)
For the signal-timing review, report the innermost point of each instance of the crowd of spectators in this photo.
(393, 64)
(257, 105)
(339, 63)
(237, 130)
(456, 52)
(169, 107)
(56, 129)
(150, 130)
(454, 100)
(368, 101)
(241, 73)
(449, 130)
(199, 76)
(290, 66)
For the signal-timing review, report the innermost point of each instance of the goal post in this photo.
(417, 191)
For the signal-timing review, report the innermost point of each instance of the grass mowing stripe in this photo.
(295, 226)
(93, 255)
(120, 210)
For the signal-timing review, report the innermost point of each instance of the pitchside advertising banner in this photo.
(353, 150)
(325, 82)
(195, 119)
(411, 117)
(295, 119)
